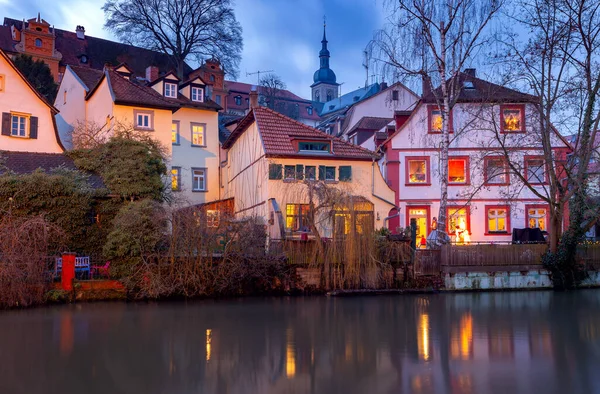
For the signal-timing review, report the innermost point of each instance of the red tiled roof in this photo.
(98, 51)
(127, 92)
(483, 92)
(278, 131)
(89, 76)
(28, 162)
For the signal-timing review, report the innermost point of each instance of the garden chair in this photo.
(100, 270)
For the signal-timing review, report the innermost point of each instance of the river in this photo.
(511, 342)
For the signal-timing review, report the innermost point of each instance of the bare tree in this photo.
(271, 88)
(434, 40)
(560, 65)
(179, 28)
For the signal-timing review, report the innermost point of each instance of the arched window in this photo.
(329, 95)
(38, 43)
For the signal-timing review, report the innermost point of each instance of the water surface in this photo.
(519, 342)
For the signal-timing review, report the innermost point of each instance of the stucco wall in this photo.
(73, 108)
(100, 105)
(187, 156)
(18, 97)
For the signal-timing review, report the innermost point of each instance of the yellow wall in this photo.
(17, 96)
(187, 156)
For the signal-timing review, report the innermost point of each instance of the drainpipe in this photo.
(373, 164)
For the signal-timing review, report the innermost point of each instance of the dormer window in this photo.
(170, 90)
(314, 147)
(84, 59)
(469, 85)
(197, 94)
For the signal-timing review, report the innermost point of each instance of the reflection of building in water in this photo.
(423, 344)
(290, 354)
(461, 339)
(208, 343)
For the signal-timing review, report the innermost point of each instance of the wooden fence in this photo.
(490, 255)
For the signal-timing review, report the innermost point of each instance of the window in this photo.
(435, 120)
(212, 78)
(296, 217)
(395, 95)
(537, 217)
(310, 173)
(218, 97)
(197, 94)
(199, 179)
(458, 170)
(275, 171)
(329, 94)
(421, 215)
(38, 43)
(458, 224)
(238, 100)
(1, 83)
(317, 95)
(535, 170)
(289, 173)
(314, 147)
(198, 137)
(309, 110)
(496, 171)
(512, 118)
(345, 174)
(330, 173)
(170, 90)
(175, 133)
(143, 119)
(175, 178)
(213, 218)
(65, 96)
(498, 220)
(19, 126)
(417, 171)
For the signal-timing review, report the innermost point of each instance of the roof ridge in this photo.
(495, 84)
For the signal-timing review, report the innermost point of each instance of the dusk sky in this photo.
(279, 35)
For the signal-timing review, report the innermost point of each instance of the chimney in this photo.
(80, 31)
(383, 85)
(471, 71)
(426, 86)
(253, 97)
(151, 73)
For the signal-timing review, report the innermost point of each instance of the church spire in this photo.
(324, 40)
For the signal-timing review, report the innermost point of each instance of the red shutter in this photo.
(33, 127)
(5, 123)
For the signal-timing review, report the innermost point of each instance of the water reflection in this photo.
(462, 343)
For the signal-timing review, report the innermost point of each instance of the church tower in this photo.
(325, 87)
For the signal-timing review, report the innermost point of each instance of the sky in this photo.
(279, 35)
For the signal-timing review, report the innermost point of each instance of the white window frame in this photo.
(141, 115)
(199, 175)
(197, 94)
(203, 134)
(170, 90)
(22, 121)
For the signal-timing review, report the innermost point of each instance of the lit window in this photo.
(310, 173)
(296, 217)
(289, 173)
(170, 90)
(18, 126)
(330, 173)
(197, 94)
(535, 170)
(198, 134)
(435, 120)
(38, 43)
(512, 119)
(238, 100)
(175, 133)
(417, 171)
(143, 120)
(314, 146)
(496, 171)
(421, 216)
(536, 218)
(497, 220)
(213, 218)
(175, 178)
(457, 171)
(198, 179)
(458, 224)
